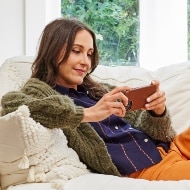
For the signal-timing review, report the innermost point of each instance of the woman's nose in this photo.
(86, 60)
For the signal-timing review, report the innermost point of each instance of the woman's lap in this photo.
(175, 164)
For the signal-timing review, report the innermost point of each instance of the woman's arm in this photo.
(45, 104)
(154, 119)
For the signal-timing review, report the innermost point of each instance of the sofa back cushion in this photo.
(13, 73)
(174, 81)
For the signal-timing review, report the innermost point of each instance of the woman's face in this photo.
(72, 72)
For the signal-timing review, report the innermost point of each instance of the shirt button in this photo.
(145, 140)
(116, 127)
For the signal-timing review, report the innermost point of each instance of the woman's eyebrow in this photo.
(81, 46)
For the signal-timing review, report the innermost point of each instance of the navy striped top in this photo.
(131, 150)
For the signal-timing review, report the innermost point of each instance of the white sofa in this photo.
(175, 81)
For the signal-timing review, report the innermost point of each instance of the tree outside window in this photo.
(116, 24)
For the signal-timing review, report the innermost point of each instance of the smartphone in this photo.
(137, 96)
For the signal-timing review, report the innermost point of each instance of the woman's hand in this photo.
(156, 102)
(113, 102)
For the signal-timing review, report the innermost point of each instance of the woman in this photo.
(109, 140)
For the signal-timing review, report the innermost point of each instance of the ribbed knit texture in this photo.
(47, 154)
(158, 128)
(54, 110)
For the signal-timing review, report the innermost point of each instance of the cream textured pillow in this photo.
(30, 152)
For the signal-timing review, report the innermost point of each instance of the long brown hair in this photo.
(57, 35)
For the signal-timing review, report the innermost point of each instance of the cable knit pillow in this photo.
(30, 152)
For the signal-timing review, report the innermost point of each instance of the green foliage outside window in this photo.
(116, 24)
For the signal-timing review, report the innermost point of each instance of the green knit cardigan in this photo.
(54, 110)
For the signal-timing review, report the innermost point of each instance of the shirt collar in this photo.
(65, 90)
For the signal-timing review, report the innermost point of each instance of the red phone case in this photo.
(137, 97)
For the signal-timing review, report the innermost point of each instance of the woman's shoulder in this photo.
(34, 84)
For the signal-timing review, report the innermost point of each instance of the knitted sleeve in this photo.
(158, 128)
(45, 104)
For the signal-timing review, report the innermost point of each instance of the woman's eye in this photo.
(75, 51)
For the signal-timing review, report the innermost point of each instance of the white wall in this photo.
(22, 22)
(38, 14)
(12, 32)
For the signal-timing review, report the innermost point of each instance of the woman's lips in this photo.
(80, 71)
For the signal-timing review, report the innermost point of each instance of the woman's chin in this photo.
(79, 82)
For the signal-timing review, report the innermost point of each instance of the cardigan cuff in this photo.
(153, 114)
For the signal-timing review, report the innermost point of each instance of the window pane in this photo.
(116, 24)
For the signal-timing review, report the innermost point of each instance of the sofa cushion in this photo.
(30, 152)
(94, 181)
(174, 81)
(13, 73)
(123, 75)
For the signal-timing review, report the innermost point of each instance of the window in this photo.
(116, 24)
(150, 34)
(163, 33)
